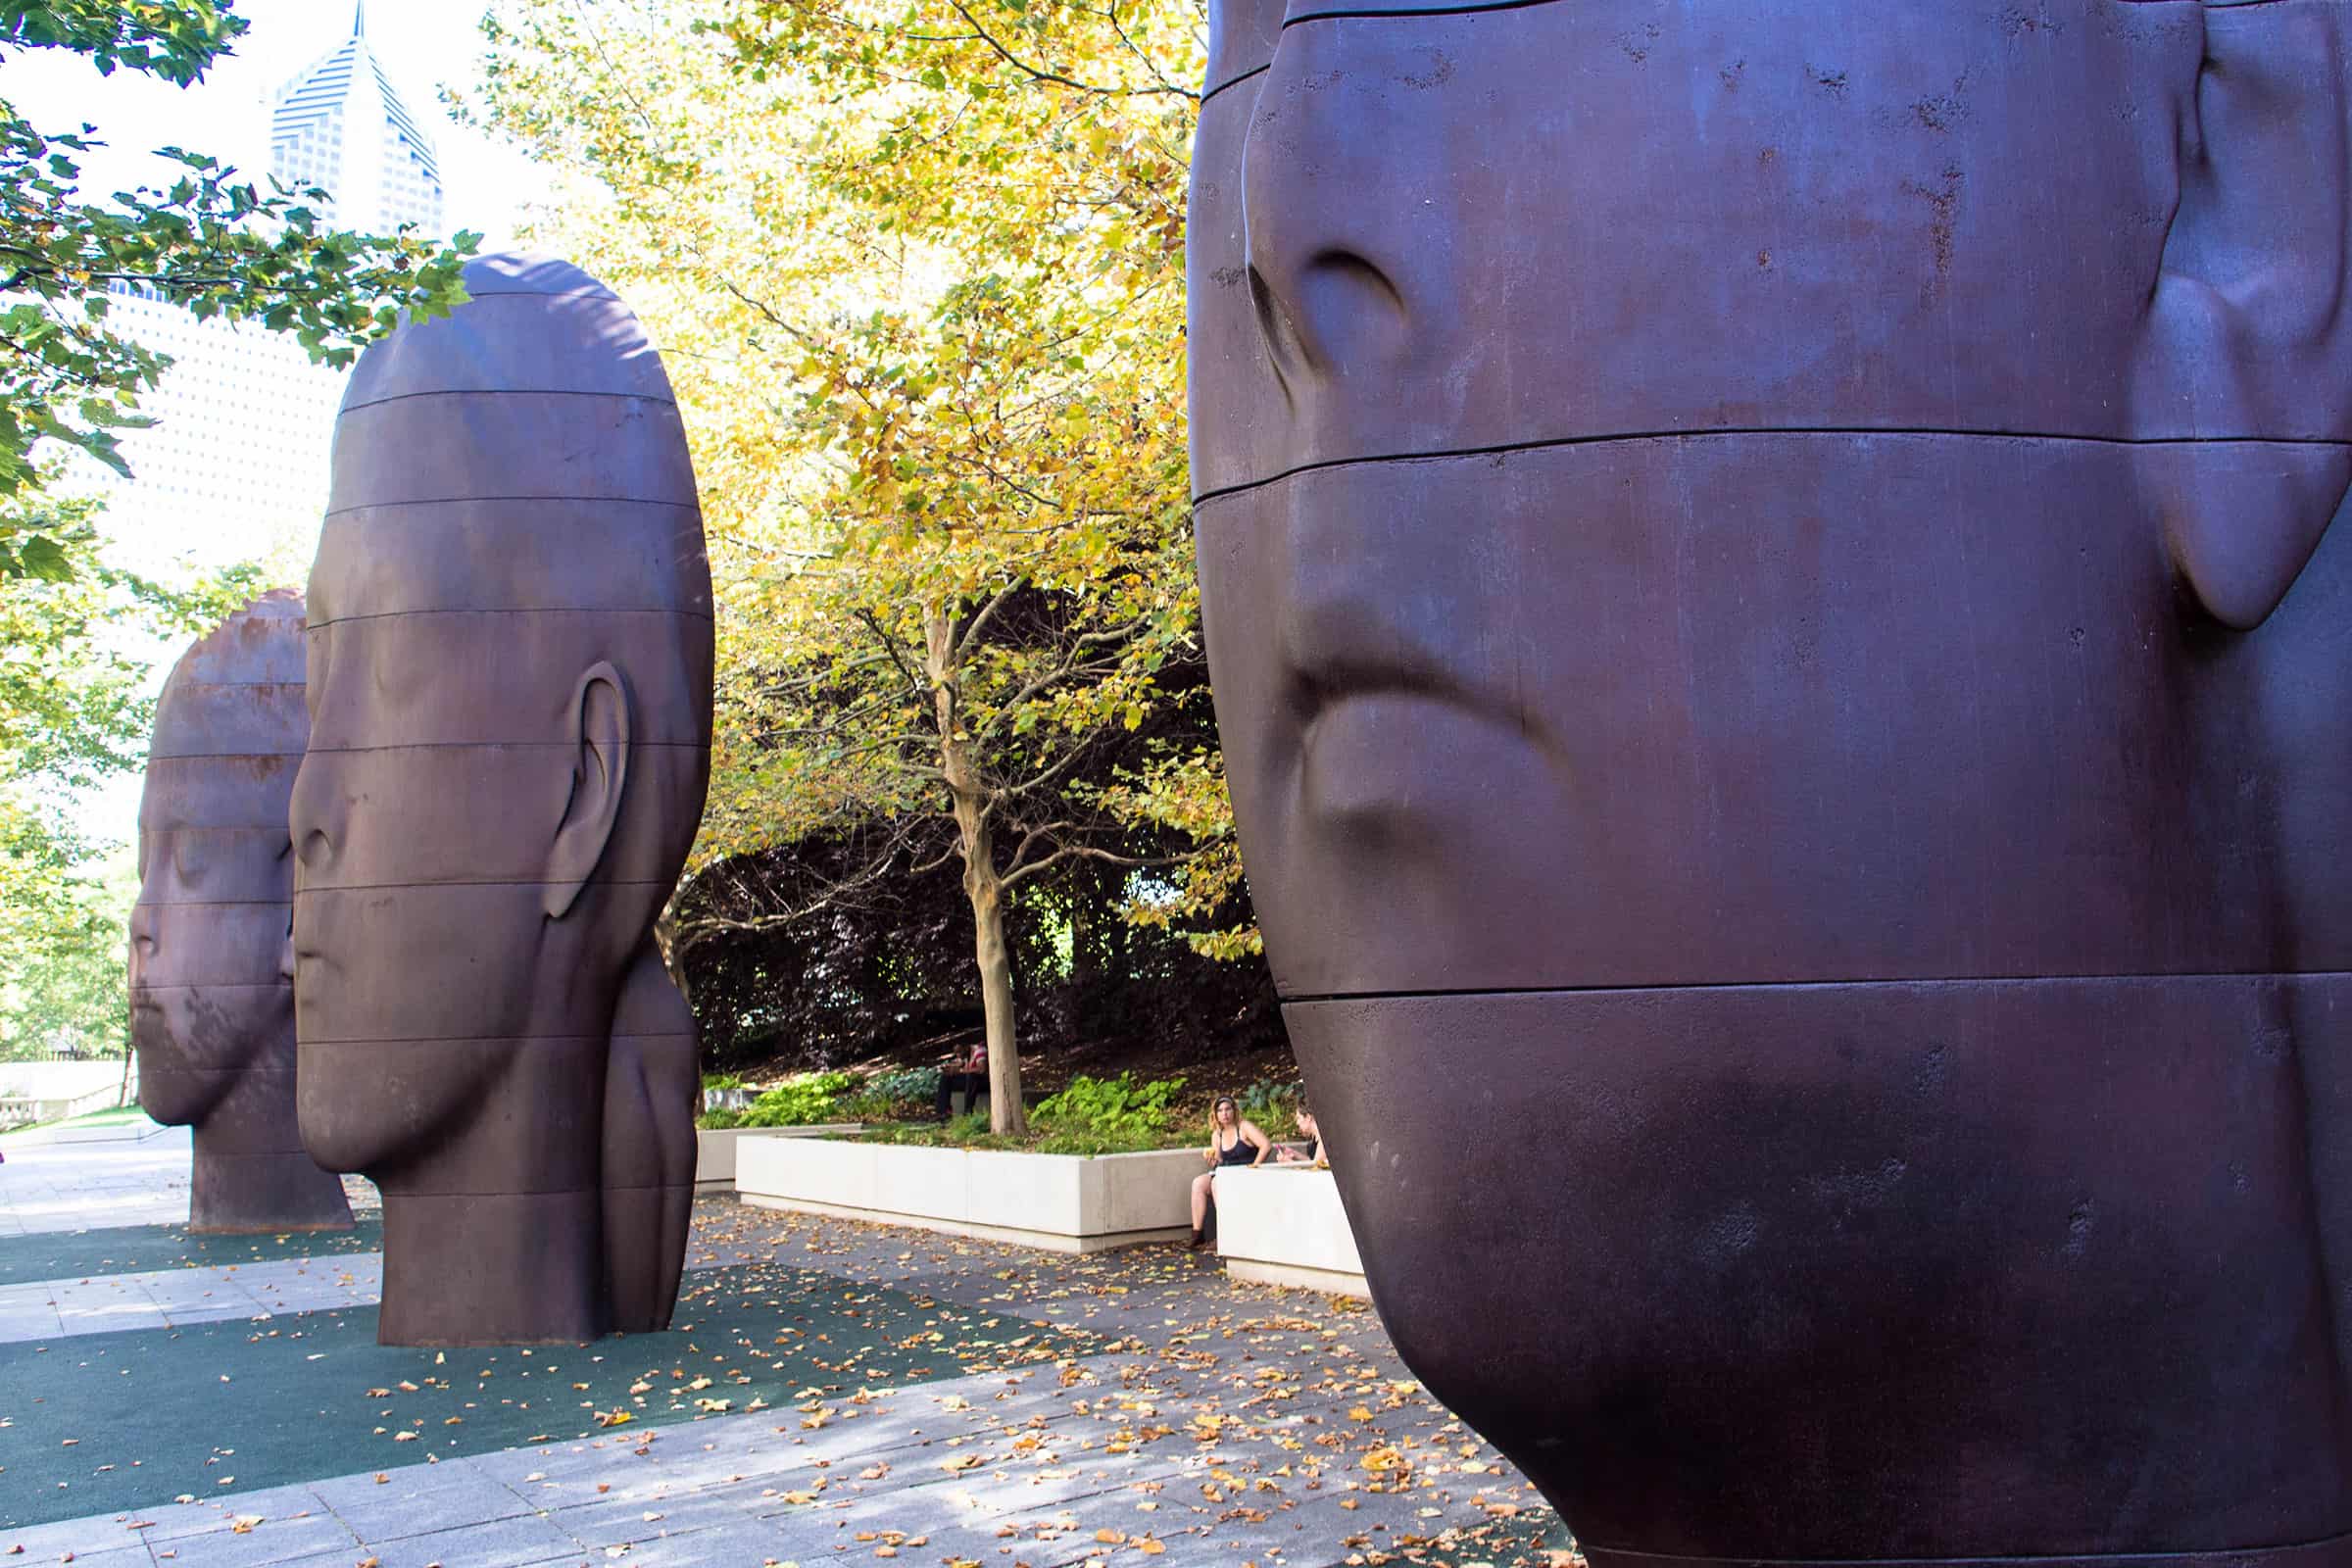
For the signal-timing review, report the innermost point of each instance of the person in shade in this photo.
(510, 691)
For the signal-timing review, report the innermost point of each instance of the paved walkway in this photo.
(835, 1392)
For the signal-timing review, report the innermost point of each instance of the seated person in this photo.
(970, 1074)
(1290, 1154)
(1233, 1140)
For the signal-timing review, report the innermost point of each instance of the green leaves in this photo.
(175, 39)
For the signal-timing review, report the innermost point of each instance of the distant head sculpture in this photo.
(1788, 689)
(211, 1015)
(510, 692)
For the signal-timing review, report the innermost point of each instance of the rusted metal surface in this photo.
(510, 664)
(1787, 690)
(211, 1018)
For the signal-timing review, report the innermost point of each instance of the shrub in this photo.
(718, 1121)
(1270, 1104)
(909, 1086)
(1110, 1110)
(866, 1106)
(802, 1100)
(972, 1132)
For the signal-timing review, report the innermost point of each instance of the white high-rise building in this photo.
(237, 463)
(342, 125)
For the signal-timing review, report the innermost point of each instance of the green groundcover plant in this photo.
(804, 1100)
(1089, 1116)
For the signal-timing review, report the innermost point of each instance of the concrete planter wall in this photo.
(1062, 1202)
(1285, 1226)
(714, 1149)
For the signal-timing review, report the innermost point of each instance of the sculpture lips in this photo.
(1385, 731)
(1343, 654)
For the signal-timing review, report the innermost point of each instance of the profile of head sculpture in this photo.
(211, 1017)
(1787, 690)
(510, 695)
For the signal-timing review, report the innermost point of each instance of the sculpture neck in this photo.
(250, 1173)
(492, 1268)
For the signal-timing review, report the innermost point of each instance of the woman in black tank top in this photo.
(1232, 1141)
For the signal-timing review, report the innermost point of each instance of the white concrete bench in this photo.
(714, 1149)
(1062, 1202)
(1283, 1225)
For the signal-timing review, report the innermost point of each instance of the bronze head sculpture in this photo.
(211, 1017)
(1789, 695)
(510, 691)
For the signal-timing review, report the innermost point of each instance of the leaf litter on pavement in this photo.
(1141, 1398)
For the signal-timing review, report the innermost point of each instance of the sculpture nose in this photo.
(1342, 290)
(142, 943)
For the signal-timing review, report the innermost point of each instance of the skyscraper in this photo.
(341, 124)
(238, 459)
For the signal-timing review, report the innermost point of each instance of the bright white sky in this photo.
(429, 45)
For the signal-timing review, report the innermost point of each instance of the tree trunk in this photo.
(968, 796)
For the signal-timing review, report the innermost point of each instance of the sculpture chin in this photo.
(1874, 1235)
(193, 1043)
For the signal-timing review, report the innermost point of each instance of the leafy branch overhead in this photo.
(216, 244)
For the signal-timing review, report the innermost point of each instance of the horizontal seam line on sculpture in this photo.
(1932, 1562)
(1209, 96)
(468, 1040)
(487, 745)
(393, 506)
(1506, 447)
(1372, 13)
(467, 501)
(510, 882)
(517, 609)
(510, 392)
(1819, 985)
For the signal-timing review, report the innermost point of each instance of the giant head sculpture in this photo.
(1788, 695)
(510, 692)
(211, 1017)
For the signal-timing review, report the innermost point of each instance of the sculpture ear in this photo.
(2251, 345)
(602, 716)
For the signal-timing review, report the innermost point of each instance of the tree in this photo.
(918, 267)
(213, 243)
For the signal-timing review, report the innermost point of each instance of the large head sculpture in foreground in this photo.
(510, 688)
(210, 1014)
(1789, 695)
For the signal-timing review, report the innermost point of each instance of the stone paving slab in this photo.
(79, 1187)
(158, 1249)
(108, 1303)
(48, 1186)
